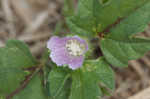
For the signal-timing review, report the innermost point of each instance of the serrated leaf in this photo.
(10, 79)
(134, 23)
(109, 13)
(102, 71)
(58, 84)
(21, 46)
(81, 26)
(68, 9)
(34, 90)
(14, 57)
(93, 17)
(118, 53)
(85, 81)
(120, 45)
(84, 86)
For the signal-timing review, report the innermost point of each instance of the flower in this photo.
(67, 50)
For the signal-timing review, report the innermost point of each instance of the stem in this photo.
(24, 83)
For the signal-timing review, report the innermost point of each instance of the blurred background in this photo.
(34, 21)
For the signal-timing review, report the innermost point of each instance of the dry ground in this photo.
(33, 21)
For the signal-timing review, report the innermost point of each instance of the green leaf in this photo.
(10, 79)
(22, 46)
(96, 12)
(58, 83)
(68, 9)
(114, 10)
(84, 86)
(120, 45)
(118, 53)
(105, 91)
(102, 71)
(34, 90)
(2, 97)
(80, 25)
(85, 81)
(14, 57)
(134, 23)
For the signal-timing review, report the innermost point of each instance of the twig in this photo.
(143, 76)
(35, 24)
(9, 17)
(36, 49)
(23, 9)
(24, 83)
(1, 44)
(136, 65)
(145, 94)
(146, 60)
(37, 37)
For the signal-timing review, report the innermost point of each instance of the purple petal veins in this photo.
(67, 50)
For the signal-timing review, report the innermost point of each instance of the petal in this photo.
(55, 43)
(76, 63)
(57, 59)
(60, 56)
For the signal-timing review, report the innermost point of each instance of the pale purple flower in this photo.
(67, 51)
